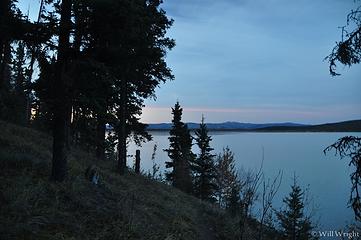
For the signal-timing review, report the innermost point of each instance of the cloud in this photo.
(255, 60)
(232, 54)
(190, 9)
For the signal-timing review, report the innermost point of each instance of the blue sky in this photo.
(255, 61)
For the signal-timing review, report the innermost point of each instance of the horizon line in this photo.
(278, 122)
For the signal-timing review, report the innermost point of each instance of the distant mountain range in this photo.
(347, 126)
(224, 126)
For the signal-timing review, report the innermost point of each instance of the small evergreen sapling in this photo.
(295, 225)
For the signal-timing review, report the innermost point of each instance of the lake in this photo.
(326, 176)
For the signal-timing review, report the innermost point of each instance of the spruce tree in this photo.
(204, 166)
(20, 100)
(10, 22)
(179, 152)
(127, 45)
(6, 17)
(294, 224)
(61, 111)
(115, 60)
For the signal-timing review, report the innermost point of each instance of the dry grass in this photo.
(120, 207)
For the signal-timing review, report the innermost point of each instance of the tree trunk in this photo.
(4, 41)
(137, 161)
(184, 179)
(61, 101)
(122, 131)
(4, 67)
(100, 148)
(69, 130)
(122, 153)
(1, 62)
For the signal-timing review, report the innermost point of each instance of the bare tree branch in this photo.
(350, 147)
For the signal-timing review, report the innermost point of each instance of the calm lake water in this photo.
(302, 153)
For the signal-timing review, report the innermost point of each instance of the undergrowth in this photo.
(119, 207)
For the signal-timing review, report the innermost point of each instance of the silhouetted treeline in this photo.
(215, 179)
(95, 61)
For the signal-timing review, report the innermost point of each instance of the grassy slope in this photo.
(120, 207)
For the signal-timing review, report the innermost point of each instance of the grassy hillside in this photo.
(120, 207)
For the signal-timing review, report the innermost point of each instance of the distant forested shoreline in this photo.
(346, 126)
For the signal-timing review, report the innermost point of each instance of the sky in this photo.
(255, 61)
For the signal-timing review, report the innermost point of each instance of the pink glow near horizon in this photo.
(156, 114)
